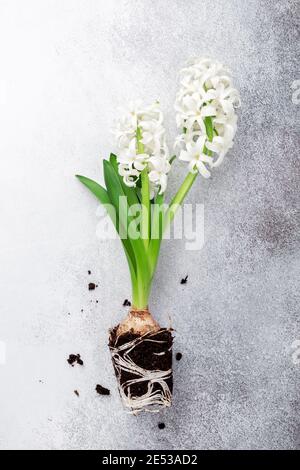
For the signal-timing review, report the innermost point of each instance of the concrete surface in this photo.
(66, 66)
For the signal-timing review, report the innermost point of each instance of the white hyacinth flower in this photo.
(195, 156)
(142, 144)
(159, 168)
(205, 112)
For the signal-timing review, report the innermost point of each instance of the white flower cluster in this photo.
(205, 107)
(142, 144)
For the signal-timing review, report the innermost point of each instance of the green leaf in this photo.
(146, 208)
(102, 195)
(131, 193)
(95, 188)
(157, 224)
(115, 191)
(113, 160)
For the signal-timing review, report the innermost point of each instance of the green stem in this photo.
(140, 294)
(142, 284)
(145, 222)
(139, 143)
(145, 192)
(189, 179)
(179, 197)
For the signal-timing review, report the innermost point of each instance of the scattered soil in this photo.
(184, 280)
(76, 392)
(97, 301)
(79, 361)
(148, 355)
(92, 286)
(81, 310)
(178, 356)
(89, 272)
(161, 425)
(126, 303)
(75, 358)
(102, 390)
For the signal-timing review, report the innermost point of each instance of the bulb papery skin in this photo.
(206, 94)
(154, 155)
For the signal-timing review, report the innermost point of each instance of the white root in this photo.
(155, 398)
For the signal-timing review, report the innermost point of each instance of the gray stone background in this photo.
(66, 66)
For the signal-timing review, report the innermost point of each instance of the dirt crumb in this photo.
(76, 393)
(161, 425)
(178, 356)
(184, 280)
(92, 286)
(126, 303)
(102, 390)
(75, 358)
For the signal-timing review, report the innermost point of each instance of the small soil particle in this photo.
(97, 301)
(102, 390)
(92, 286)
(184, 280)
(178, 356)
(126, 303)
(73, 358)
(76, 393)
(89, 272)
(161, 425)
